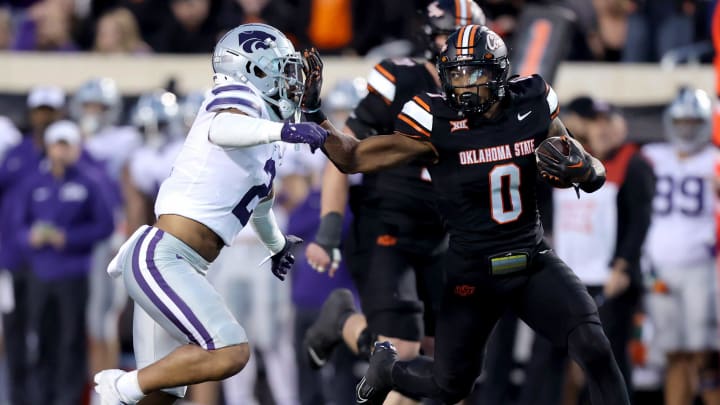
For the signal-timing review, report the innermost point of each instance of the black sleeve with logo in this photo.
(402, 196)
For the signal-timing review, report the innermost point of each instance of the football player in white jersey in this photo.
(157, 115)
(680, 249)
(96, 107)
(221, 181)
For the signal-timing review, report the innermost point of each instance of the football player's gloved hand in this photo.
(304, 132)
(312, 68)
(560, 169)
(283, 260)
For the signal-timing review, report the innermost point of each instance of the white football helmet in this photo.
(190, 105)
(688, 120)
(157, 115)
(342, 99)
(261, 55)
(99, 91)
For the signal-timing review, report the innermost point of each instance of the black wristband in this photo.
(316, 116)
(330, 230)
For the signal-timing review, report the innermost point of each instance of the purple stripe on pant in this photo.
(149, 261)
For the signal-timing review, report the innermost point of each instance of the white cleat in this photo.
(105, 386)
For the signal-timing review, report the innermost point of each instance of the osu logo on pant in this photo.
(464, 290)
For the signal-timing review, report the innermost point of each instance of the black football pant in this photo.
(546, 369)
(547, 296)
(399, 281)
(15, 336)
(58, 355)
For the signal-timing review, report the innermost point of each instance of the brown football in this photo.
(560, 144)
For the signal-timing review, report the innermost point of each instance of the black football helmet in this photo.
(474, 69)
(443, 17)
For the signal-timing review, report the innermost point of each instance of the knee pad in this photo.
(710, 372)
(365, 343)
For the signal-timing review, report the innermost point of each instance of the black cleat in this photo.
(326, 332)
(376, 384)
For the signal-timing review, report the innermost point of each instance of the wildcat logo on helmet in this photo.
(252, 40)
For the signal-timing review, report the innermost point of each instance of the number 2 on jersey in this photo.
(243, 209)
(505, 202)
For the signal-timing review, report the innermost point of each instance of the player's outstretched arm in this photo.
(577, 167)
(374, 153)
(346, 152)
(232, 128)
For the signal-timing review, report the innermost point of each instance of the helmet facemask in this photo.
(472, 86)
(688, 134)
(290, 83)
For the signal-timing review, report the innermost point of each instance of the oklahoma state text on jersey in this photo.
(485, 174)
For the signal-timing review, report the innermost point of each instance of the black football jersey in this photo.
(485, 174)
(401, 195)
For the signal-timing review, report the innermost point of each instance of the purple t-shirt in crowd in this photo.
(310, 288)
(20, 160)
(77, 204)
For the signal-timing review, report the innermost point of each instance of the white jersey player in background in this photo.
(96, 106)
(183, 332)
(680, 250)
(157, 115)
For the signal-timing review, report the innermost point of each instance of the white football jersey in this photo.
(114, 146)
(150, 166)
(682, 232)
(220, 186)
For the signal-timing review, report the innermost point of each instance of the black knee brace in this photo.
(365, 343)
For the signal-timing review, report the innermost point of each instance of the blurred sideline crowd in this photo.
(603, 30)
(80, 180)
(81, 174)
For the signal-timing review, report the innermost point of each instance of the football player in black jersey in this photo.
(479, 139)
(397, 237)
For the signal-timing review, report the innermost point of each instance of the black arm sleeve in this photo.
(635, 199)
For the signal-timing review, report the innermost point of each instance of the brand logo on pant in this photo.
(464, 290)
(386, 240)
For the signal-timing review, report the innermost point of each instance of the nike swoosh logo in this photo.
(523, 116)
(318, 361)
(576, 165)
(358, 395)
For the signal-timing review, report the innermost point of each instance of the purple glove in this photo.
(304, 132)
(283, 260)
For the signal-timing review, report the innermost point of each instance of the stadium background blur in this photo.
(633, 54)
